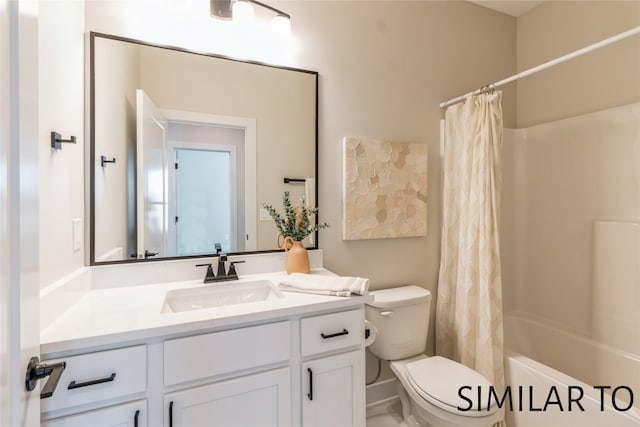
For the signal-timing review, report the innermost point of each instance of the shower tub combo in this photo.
(571, 276)
(580, 404)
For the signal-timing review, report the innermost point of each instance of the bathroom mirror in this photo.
(186, 147)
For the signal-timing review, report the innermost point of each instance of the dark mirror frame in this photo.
(92, 133)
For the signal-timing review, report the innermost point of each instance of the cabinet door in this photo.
(128, 415)
(334, 391)
(258, 400)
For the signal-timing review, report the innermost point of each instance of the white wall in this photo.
(61, 109)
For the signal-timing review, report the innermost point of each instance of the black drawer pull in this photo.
(337, 334)
(310, 394)
(171, 414)
(135, 418)
(94, 381)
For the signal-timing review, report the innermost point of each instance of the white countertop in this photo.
(119, 314)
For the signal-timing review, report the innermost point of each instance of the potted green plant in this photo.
(294, 225)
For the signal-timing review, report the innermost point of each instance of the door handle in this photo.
(148, 254)
(310, 394)
(36, 371)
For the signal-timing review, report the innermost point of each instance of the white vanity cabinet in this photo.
(296, 368)
(333, 391)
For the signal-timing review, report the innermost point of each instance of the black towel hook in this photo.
(104, 161)
(292, 180)
(56, 140)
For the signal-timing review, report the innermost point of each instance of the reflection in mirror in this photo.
(201, 142)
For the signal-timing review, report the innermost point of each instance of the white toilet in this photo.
(428, 386)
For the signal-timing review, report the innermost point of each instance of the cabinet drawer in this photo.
(207, 355)
(103, 375)
(332, 331)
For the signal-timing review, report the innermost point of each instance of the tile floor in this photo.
(385, 414)
(386, 420)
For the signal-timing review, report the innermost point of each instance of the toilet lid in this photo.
(439, 380)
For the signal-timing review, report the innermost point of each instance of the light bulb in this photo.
(281, 24)
(243, 12)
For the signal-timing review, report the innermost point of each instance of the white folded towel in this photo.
(325, 285)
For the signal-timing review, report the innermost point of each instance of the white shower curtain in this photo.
(469, 305)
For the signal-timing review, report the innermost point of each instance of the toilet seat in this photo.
(438, 380)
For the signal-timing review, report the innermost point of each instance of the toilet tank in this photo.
(401, 316)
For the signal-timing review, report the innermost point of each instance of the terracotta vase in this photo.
(297, 256)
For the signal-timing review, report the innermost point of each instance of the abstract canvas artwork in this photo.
(384, 189)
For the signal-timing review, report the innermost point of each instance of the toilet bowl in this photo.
(429, 387)
(435, 403)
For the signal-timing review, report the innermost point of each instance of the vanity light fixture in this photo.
(221, 9)
(242, 11)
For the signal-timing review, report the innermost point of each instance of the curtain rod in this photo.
(579, 52)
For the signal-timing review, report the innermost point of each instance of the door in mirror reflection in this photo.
(207, 193)
(151, 180)
(203, 197)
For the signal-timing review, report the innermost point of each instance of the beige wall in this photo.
(598, 80)
(384, 67)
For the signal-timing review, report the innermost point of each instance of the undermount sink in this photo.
(219, 295)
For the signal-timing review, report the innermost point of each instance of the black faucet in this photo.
(222, 274)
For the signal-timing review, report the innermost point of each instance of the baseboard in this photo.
(381, 391)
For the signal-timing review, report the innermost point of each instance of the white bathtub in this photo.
(541, 357)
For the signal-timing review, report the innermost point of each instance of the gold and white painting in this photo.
(384, 189)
